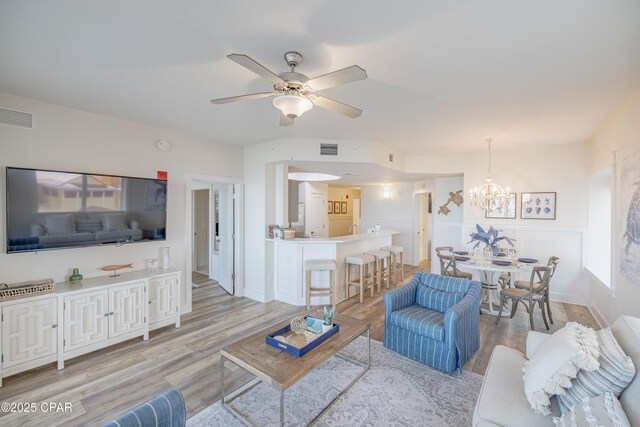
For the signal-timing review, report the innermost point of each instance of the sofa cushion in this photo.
(626, 329)
(556, 361)
(88, 225)
(420, 320)
(614, 375)
(602, 411)
(437, 300)
(445, 283)
(502, 400)
(114, 222)
(59, 224)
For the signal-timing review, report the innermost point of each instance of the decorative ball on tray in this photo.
(298, 325)
(297, 340)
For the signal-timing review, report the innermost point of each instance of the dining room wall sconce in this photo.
(386, 194)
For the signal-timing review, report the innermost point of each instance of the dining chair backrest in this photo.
(441, 249)
(448, 265)
(539, 282)
(553, 263)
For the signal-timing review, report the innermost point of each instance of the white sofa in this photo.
(502, 401)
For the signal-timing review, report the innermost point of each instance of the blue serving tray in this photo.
(295, 351)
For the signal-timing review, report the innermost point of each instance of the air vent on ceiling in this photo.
(391, 157)
(328, 149)
(16, 118)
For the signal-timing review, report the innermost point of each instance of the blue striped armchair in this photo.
(434, 320)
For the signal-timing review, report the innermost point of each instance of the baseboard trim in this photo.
(257, 296)
(568, 298)
(596, 314)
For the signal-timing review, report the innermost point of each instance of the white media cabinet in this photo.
(78, 318)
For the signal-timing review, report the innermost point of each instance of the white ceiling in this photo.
(356, 174)
(443, 75)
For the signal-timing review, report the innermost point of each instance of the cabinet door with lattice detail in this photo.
(162, 298)
(28, 331)
(86, 319)
(128, 307)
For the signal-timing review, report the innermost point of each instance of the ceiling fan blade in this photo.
(338, 107)
(285, 121)
(335, 78)
(254, 66)
(243, 97)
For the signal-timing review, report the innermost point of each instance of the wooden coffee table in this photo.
(281, 370)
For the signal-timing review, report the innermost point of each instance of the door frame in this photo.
(421, 197)
(238, 231)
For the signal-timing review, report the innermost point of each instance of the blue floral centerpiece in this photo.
(489, 238)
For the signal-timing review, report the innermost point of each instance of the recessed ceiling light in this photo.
(312, 176)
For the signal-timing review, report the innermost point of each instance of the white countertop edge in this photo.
(339, 239)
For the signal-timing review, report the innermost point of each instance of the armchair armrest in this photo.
(461, 324)
(534, 339)
(401, 297)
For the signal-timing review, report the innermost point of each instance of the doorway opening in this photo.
(214, 219)
(424, 230)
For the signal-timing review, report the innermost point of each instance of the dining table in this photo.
(489, 271)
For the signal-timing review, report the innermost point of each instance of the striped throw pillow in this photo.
(614, 375)
(437, 300)
(600, 411)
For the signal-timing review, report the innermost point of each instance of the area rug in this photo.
(396, 391)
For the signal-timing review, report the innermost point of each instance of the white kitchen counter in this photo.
(290, 256)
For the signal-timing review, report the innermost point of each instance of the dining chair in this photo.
(534, 294)
(524, 284)
(449, 267)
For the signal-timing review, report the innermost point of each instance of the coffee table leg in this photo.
(222, 379)
(281, 408)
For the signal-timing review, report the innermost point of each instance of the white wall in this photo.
(622, 135)
(447, 229)
(396, 213)
(68, 139)
(560, 168)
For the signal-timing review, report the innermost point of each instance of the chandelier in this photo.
(490, 196)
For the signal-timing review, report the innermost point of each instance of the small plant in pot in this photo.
(328, 318)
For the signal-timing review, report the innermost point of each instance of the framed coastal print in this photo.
(336, 207)
(538, 206)
(507, 211)
(330, 207)
(343, 209)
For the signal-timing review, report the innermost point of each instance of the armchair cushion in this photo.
(437, 300)
(420, 320)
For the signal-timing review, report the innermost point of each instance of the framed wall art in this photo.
(330, 207)
(508, 211)
(538, 206)
(343, 209)
(336, 207)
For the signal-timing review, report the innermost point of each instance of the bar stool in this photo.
(366, 277)
(321, 265)
(395, 251)
(382, 271)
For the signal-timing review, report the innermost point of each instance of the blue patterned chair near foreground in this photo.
(165, 410)
(434, 319)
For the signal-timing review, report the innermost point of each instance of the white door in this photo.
(356, 216)
(162, 298)
(222, 236)
(86, 319)
(315, 215)
(126, 308)
(421, 225)
(201, 230)
(29, 331)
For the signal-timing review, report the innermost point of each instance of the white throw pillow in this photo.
(556, 361)
(601, 411)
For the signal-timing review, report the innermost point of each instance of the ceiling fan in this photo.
(294, 92)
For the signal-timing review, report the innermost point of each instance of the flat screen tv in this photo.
(55, 210)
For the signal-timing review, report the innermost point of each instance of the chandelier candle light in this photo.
(490, 196)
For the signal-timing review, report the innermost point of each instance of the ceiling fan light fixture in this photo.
(292, 106)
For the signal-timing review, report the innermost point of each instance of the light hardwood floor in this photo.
(103, 384)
